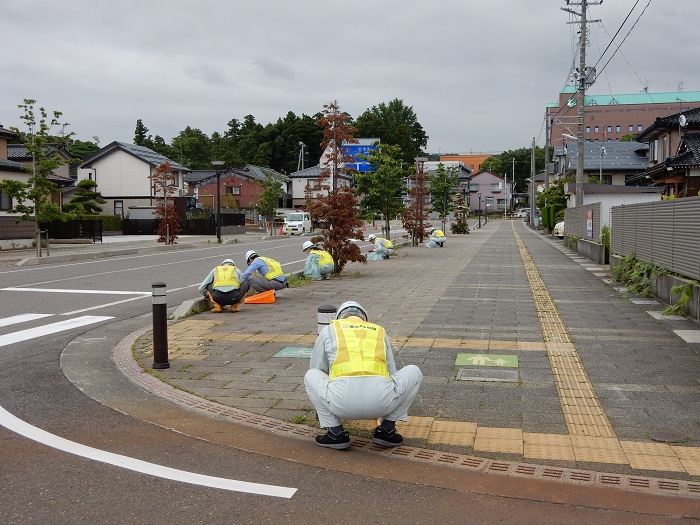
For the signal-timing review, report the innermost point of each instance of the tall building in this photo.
(607, 118)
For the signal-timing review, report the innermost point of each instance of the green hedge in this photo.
(110, 223)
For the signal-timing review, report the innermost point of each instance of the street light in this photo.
(217, 166)
(479, 210)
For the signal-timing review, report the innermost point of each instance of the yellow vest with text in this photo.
(225, 276)
(361, 350)
(385, 242)
(325, 257)
(439, 233)
(274, 266)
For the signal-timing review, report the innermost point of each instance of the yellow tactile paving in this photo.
(419, 341)
(689, 458)
(496, 439)
(583, 414)
(651, 456)
(446, 343)
(598, 449)
(361, 424)
(416, 427)
(285, 338)
(548, 446)
(458, 433)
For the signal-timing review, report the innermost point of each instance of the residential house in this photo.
(308, 183)
(122, 172)
(472, 161)
(488, 193)
(239, 189)
(609, 162)
(673, 160)
(463, 178)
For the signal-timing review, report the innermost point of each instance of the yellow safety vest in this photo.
(325, 257)
(439, 233)
(361, 349)
(274, 266)
(225, 276)
(386, 242)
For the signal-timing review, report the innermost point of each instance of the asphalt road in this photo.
(46, 485)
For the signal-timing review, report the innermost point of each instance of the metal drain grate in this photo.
(488, 374)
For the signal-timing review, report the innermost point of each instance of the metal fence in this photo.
(577, 224)
(75, 229)
(665, 233)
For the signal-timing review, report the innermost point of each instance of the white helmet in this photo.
(349, 309)
(372, 237)
(307, 245)
(228, 261)
(250, 255)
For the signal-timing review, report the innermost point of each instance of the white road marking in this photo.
(23, 428)
(65, 290)
(31, 333)
(21, 318)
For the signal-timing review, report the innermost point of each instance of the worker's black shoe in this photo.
(337, 441)
(387, 438)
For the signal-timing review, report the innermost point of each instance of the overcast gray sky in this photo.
(478, 74)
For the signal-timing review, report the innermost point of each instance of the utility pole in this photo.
(583, 82)
(533, 184)
(547, 143)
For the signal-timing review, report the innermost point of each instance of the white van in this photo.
(297, 222)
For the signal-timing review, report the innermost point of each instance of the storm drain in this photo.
(488, 374)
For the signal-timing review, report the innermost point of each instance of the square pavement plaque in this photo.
(661, 317)
(488, 374)
(294, 351)
(644, 301)
(487, 360)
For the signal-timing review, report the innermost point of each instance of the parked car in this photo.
(298, 222)
(558, 230)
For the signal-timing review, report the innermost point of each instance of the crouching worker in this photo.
(319, 263)
(383, 248)
(352, 375)
(263, 273)
(225, 286)
(437, 239)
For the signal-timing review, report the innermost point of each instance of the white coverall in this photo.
(367, 397)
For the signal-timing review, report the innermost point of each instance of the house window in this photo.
(233, 190)
(639, 127)
(119, 208)
(664, 148)
(631, 128)
(609, 129)
(496, 187)
(473, 187)
(617, 129)
(5, 201)
(654, 151)
(588, 130)
(596, 129)
(501, 204)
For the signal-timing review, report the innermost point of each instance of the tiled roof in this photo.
(143, 153)
(671, 122)
(691, 155)
(618, 155)
(10, 165)
(314, 172)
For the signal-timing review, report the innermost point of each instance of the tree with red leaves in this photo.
(163, 188)
(337, 210)
(416, 216)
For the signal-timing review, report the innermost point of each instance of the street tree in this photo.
(33, 199)
(269, 198)
(381, 188)
(86, 201)
(441, 189)
(337, 210)
(163, 188)
(395, 124)
(415, 219)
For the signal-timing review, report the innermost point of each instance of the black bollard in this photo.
(160, 326)
(326, 314)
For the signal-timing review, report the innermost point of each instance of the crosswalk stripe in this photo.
(65, 290)
(32, 333)
(21, 318)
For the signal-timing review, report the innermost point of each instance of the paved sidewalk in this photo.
(572, 376)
